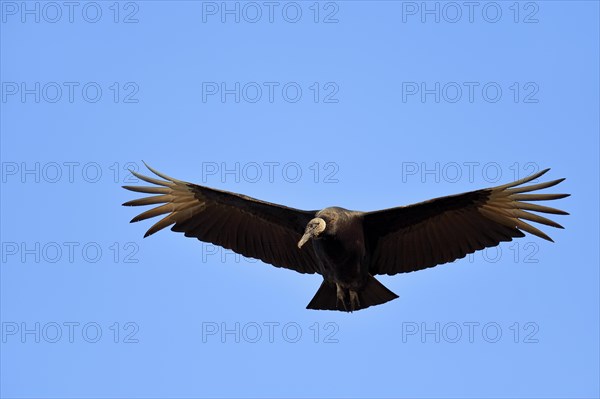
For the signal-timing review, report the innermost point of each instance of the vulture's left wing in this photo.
(415, 237)
(248, 226)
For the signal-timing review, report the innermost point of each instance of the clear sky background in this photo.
(356, 104)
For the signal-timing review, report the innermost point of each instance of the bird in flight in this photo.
(348, 248)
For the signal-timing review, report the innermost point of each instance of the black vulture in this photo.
(348, 247)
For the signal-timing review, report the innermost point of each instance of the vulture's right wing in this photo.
(248, 226)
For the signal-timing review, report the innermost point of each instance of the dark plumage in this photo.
(348, 247)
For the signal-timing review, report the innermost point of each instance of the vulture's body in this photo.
(347, 247)
(344, 264)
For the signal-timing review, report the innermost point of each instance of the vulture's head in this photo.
(324, 224)
(314, 229)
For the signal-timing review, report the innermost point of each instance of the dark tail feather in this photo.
(373, 293)
(325, 298)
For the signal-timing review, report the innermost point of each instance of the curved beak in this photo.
(307, 236)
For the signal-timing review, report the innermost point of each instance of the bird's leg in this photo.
(340, 296)
(354, 302)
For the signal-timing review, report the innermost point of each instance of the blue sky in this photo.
(307, 104)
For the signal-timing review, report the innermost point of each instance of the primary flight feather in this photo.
(349, 247)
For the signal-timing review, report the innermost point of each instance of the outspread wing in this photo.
(248, 226)
(415, 237)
